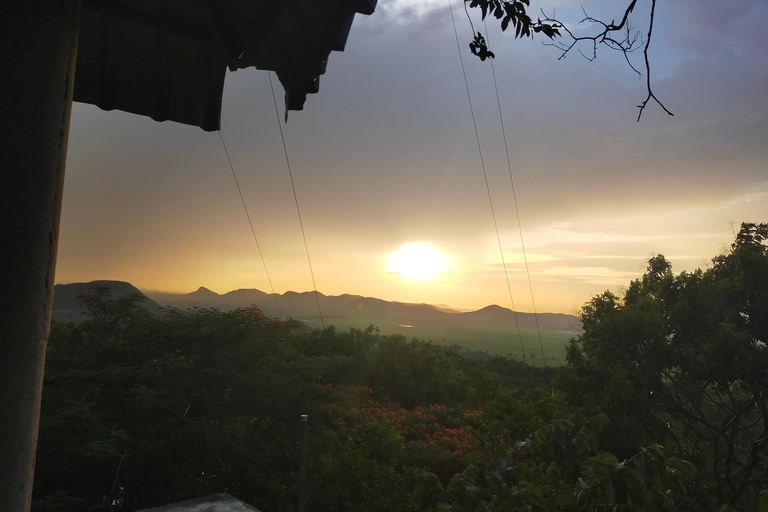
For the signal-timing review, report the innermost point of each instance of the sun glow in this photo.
(418, 262)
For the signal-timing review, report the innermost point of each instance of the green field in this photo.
(492, 339)
(498, 340)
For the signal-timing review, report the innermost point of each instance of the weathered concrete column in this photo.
(38, 49)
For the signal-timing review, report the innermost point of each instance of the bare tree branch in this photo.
(648, 68)
(621, 37)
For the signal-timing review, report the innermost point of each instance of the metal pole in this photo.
(303, 464)
(38, 50)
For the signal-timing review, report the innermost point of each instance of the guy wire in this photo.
(296, 200)
(487, 186)
(239, 191)
(514, 198)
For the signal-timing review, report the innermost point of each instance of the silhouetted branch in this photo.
(648, 68)
(620, 36)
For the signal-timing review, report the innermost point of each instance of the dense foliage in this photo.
(660, 407)
(683, 360)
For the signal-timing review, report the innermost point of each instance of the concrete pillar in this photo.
(38, 50)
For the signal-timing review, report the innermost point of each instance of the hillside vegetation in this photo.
(493, 329)
(661, 405)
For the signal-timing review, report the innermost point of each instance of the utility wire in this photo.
(296, 200)
(487, 186)
(514, 198)
(250, 223)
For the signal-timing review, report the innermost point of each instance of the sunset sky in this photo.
(385, 155)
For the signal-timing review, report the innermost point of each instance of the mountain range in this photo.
(349, 308)
(490, 328)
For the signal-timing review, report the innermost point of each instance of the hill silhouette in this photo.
(67, 307)
(303, 306)
(493, 329)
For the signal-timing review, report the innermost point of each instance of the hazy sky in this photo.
(386, 155)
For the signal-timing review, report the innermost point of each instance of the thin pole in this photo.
(303, 464)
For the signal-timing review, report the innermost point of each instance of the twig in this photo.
(514, 12)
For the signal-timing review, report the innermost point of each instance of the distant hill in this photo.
(497, 315)
(67, 307)
(356, 310)
(493, 329)
(203, 297)
(448, 309)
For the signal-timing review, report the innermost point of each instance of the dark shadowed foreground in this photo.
(661, 406)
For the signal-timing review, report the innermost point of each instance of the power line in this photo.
(487, 186)
(514, 198)
(296, 200)
(250, 223)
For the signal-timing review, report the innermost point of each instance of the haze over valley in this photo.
(492, 329)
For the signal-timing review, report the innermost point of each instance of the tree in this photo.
(147, 411)
(617, 36)
(560, 466)
(684, 359)
(109, 315)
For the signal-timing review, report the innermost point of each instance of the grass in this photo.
(492, 339)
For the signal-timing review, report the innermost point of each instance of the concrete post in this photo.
(38, 50)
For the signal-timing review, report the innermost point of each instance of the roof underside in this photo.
(167, 59)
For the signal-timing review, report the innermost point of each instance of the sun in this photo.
(418, 262)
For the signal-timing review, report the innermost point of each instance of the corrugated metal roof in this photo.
(167, 59)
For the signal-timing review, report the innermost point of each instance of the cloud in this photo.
(560, 234)
(610, 249)
(408, 11)
(595, 275)
(759, 195)
(514, 257)
(386, 152)
(714, 31)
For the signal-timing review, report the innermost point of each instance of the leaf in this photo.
(549, 30)
(685, 469)
(762, 502)
(635, 486)
(566, 500)
(605, 461)
(587, 436)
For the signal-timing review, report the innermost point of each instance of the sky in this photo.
(386, 155)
